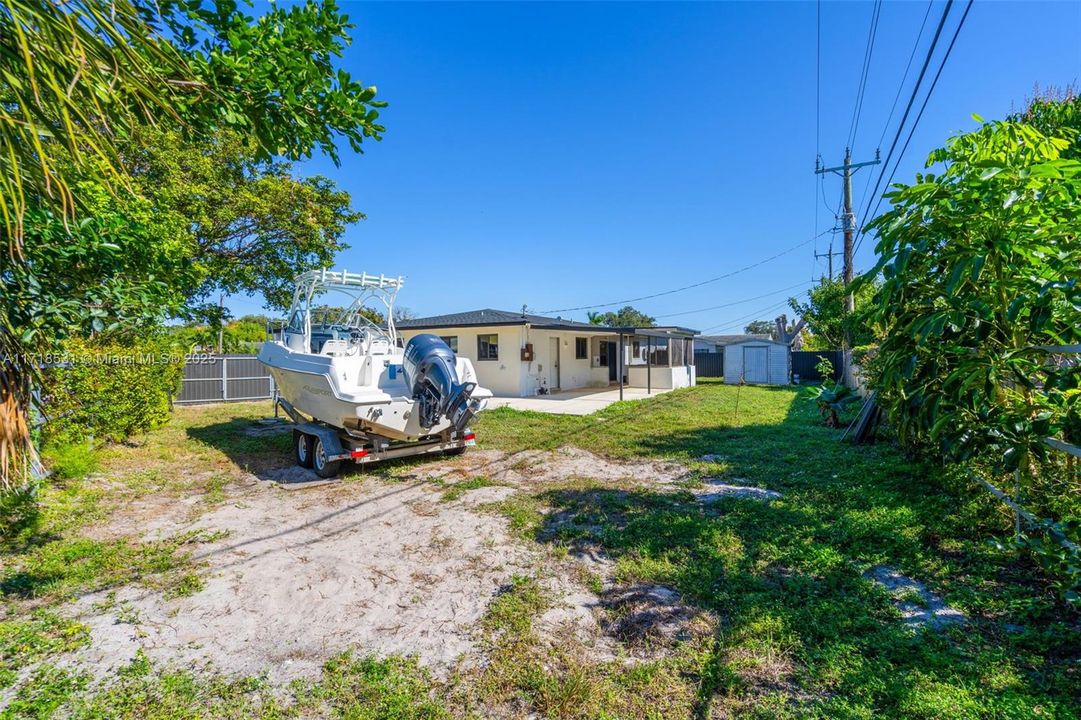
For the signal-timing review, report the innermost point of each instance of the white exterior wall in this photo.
(503, 376)
(574, 373)
(661, 378)
(777, 361)
(510, 376)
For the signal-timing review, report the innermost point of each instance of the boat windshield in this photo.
(346, 306)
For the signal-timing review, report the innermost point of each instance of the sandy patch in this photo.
(649, 619)
(713, 489)
(303, 575)
(919, 607)
(544, 466)
(379, 566)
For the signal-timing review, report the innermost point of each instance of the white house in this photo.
(519, 354)
(758, 361)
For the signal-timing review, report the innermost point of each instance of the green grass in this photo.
(459, 489)
(786, 577)
(71, 462)
(37, 635)
(351, 687)
(800, 631)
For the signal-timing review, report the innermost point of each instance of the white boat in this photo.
(334, 365)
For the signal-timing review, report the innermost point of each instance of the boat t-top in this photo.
(343, 374)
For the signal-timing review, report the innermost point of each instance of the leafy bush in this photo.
(832, 399)
(106, 390)
(70, 461)
(980, 284)
(824, 367)
(19, 510)
(980, 272)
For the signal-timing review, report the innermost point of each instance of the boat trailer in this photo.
(323, 448)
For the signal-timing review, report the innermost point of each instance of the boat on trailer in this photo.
(352, 388)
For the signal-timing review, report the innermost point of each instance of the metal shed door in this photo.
(756, 364)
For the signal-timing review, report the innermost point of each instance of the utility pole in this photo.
(829, 258)
(848, 222)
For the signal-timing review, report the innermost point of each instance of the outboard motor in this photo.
(429, 368)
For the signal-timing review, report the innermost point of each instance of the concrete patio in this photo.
(573, 402)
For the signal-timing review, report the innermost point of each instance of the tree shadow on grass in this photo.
(786, 577)
(801, 629)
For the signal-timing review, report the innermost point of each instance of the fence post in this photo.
(224, 379)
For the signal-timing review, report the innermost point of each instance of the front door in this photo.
(613, 370)
(553, 363)
(756, 365)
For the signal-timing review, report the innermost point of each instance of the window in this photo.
(451, 341)
(487, 347)
(581, 348)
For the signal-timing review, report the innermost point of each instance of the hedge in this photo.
(107, 391)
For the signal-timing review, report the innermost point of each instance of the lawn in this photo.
(778, 615)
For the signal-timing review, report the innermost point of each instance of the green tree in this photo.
(830, 324)
(1056, 113)
(760, 327)
(253, 225)
(77, 79)
(626, 316)
(980, 270)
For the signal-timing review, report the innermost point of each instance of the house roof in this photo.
(729, 339)
(489, 317)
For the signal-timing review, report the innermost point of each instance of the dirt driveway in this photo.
(408, 566)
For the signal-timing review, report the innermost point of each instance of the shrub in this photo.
(107, 390)
(70, 461)
(19, 510)
(824, 368)
(832, 400)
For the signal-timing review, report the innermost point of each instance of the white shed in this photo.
(757, 362)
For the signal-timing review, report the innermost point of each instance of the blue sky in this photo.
(568, 154)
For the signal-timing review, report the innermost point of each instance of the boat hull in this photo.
(351, 392)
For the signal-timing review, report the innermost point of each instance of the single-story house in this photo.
(716, 343)
(520, 354)
(758, 361)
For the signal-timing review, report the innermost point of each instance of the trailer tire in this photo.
(323, 467)
(454, 451)
(302, 449)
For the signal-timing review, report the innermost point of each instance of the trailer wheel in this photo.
(455, 451)
(302, 449)
(323, 467)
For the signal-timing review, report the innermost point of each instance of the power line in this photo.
(818, 120)
(930, 91)
(857, 110)
(756, 315)
(908, 66)
(900, 88)
(818, 77)
(912, 97)
(737, 302)
(686, 287)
